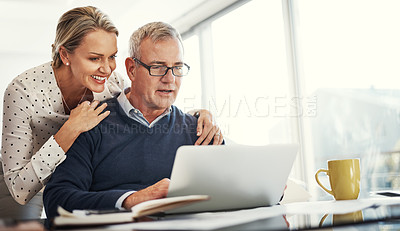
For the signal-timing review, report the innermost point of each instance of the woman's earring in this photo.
(67, 64)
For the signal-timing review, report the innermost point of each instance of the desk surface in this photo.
(373, 217)
(385, 217)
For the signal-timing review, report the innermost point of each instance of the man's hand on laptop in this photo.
(155, 191)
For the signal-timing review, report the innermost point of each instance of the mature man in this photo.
(128, 157)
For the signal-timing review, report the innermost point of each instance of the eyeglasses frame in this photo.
(168, 68)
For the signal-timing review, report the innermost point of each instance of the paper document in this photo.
(294, 192)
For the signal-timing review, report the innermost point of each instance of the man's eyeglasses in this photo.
(158, 70)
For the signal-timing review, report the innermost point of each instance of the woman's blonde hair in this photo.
(74, 25)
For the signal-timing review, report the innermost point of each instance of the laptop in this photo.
(234, 176)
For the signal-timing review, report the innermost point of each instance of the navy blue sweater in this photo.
(117, 156)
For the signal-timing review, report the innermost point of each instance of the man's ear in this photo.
(130, 66)
(64, 55)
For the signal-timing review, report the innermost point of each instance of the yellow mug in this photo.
(344, 177)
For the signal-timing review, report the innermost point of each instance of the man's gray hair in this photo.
(156, 31)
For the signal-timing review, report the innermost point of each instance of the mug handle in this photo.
(323, 187)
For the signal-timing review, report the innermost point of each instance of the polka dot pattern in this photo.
(33, 113)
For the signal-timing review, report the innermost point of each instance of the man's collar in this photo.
(129, 109)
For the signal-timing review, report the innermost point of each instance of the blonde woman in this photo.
(47, 107)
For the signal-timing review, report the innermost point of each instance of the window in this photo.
(189, 96)
(251, 82)
(350, 55)
(347, 54)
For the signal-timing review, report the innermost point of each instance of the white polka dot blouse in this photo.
(33, 112)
